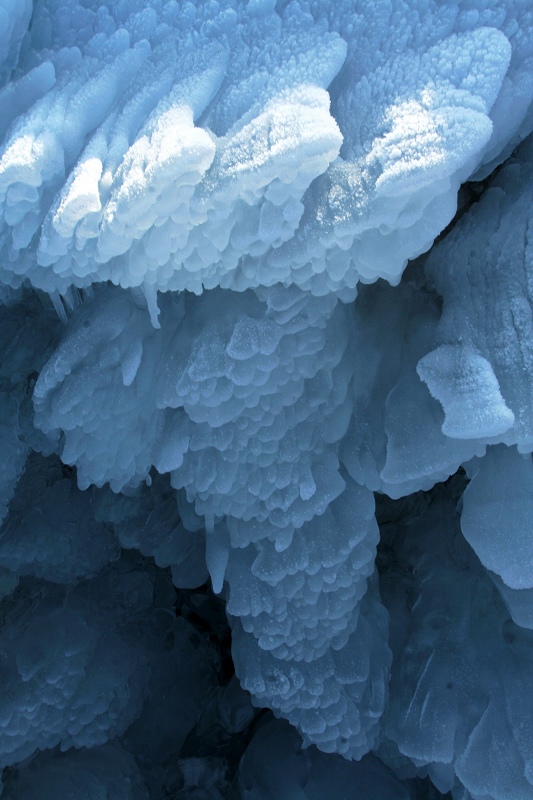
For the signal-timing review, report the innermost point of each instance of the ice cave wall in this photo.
(214, 363)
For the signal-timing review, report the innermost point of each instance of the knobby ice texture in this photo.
(230, 416)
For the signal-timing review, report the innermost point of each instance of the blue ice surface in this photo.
(266, 415)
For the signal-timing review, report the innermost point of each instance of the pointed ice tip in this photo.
(57, 301)
(217, 547)
(150, 293)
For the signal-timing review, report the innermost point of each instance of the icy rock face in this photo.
(481, 367)
(51, 531)
(462, 667)
(496, 521)
(309, 774)
(215, 363)
(395, 442)
(27, 336)
(15, 18)
(159, 523)
(76, 664)
(100, 773)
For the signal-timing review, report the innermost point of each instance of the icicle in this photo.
(150, 294)
(57, 300)
(72, 298)
(87, 293)
(10, 296)
(217, 547)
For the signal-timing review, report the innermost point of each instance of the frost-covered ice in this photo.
(480, 370)
(77, 661)
(310, 640)
(175, 147)
(219, 373)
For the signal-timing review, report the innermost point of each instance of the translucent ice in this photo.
(496, 521)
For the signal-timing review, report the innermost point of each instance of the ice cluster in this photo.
(266, 399)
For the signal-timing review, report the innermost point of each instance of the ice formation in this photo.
(107, 772)
(219, 373)
(310, 774)
(464, 668)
